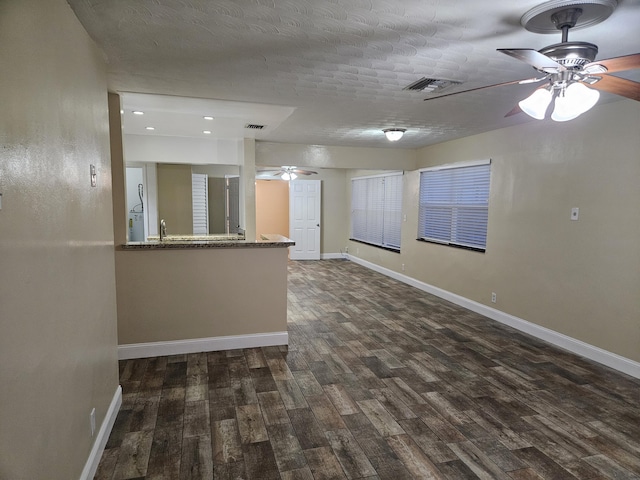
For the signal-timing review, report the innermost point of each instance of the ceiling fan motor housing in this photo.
(571, 55)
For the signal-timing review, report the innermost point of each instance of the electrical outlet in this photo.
(92, 421)
(403, 267)
(494, 297)
(575, 213)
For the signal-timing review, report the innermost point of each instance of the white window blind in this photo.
(454, 205)
(376, 210)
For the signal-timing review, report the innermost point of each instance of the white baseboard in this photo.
(333, 256)
(615, 361)
(91, 466)
(195, 345)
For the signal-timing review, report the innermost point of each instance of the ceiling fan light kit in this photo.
(574, 101)
(394, 134)
(536, 104)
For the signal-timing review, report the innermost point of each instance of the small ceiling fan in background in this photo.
(286, 172)
(568, 71)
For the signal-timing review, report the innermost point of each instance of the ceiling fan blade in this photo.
(619, 86)
(514, 111)
(528, 80)
(618, 64)
(304, 172)
(534, 58)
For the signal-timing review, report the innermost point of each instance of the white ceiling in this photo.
(327, 72)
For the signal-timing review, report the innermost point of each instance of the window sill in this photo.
(390, 249)
(455, 245)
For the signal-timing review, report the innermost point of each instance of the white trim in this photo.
(387, 174)
(613, 360)
(195, 345)
(91, 466)
(447, 166)
(332, 256)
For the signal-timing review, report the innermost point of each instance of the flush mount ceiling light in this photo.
(150, 128)
(207, 117)
(394, 134)
(138, 112)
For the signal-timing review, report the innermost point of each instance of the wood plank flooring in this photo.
(380, 381)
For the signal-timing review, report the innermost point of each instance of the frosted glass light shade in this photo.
(288, 176)
(576, 100)
(536, 104)
(394, 134)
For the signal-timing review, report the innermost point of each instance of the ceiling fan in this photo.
(287, 172)
(568, 71)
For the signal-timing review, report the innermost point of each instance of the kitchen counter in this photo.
(209, 241)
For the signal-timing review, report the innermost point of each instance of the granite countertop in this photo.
(209, 241)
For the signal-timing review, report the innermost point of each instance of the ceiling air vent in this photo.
(430, 85)
(253, 126)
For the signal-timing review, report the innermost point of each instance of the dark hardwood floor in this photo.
(380, 381)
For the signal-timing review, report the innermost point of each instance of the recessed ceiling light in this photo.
(150, 128)
(138, 112)
(206, 117)
(208, 132)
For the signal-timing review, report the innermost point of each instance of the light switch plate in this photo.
(575, 212)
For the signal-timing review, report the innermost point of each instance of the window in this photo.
(376, 210)
(454, 205)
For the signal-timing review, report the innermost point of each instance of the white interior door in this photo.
(304, 219)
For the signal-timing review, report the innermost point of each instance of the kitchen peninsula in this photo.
(181, 295)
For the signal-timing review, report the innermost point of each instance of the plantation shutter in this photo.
(200, 203)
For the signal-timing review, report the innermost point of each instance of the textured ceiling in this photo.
(339, 66)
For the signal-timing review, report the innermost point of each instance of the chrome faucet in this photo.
(163, 229)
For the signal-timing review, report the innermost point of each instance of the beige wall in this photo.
(320, 156)
(272, 207)
(332, 164)
(248, 188)
(217, 205)
(334, 210)
(58, 356)
(580, 278)
(173, 294)
(174, 198)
